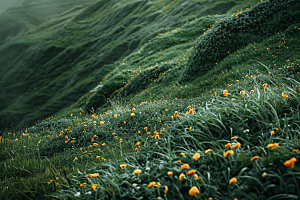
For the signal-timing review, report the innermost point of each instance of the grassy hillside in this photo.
(50, 67)
(192, 113)
(26, 15)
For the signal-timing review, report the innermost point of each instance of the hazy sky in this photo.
(5, 4)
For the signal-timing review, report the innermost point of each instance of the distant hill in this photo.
(51, 66)
(20, 16)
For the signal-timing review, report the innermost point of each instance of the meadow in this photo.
(207, 110)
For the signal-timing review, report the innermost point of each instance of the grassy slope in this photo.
(26, 15)
(153, 114)
(52, 65)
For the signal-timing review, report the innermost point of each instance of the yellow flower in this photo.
(94, 122)
(97, 157)
(166, 190)
(89, 175)
(284, 95)
(185, 166)
(227, 145)
(225, 93)
(145, 128)
(151, 184)
(228, 152)
(176, 114)
(255, 157)
(132, 114)
(196, 177)
(170, 173)
(232, 181)
(138, 143)
(264, 175)
(95, 175)
(235, 137)
(191, 111)
(122, 166)
(196, 156)
(101, 122)
(158, 184)
(237, 81)
(290, 163)
(236, 145)
(178, 161)
(252, 91)
(115, 115)
(182, 154)
(242, 92)
(192, 171)
(16, 140)
(137, 171)
(265, 85)
(95, 144)
(272, 146)
(149, 133)
(207, 151)
(94, 187)
(181, 176)
(156, 136)
(272, 132)
(136, 149)
(193, 191)
(81, 185)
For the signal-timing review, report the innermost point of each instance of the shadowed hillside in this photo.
(51, 66)
(25, 15)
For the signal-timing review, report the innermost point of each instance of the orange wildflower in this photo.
(166, 190)
(284, 95)
(290, 163)
(181, 176)
(95, 175)
(272, 146)
(170, 173)
(228, 152)
(265, 85)
(235, 137)
(137, 171)
(176, 114)
(225, 93)
(192, 171)
(185, 166)
(254, 158)
(191, 111)
(193, 191)
(236, 145)
(89, 175)
(227, 145)
(207, 151)
(196, 156)
(232, 181)
(94, 187)
(151, 184)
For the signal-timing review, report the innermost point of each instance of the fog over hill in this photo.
(20, 16)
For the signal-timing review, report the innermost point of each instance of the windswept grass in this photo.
(231, 133)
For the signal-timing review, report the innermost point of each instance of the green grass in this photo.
(130, 118)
